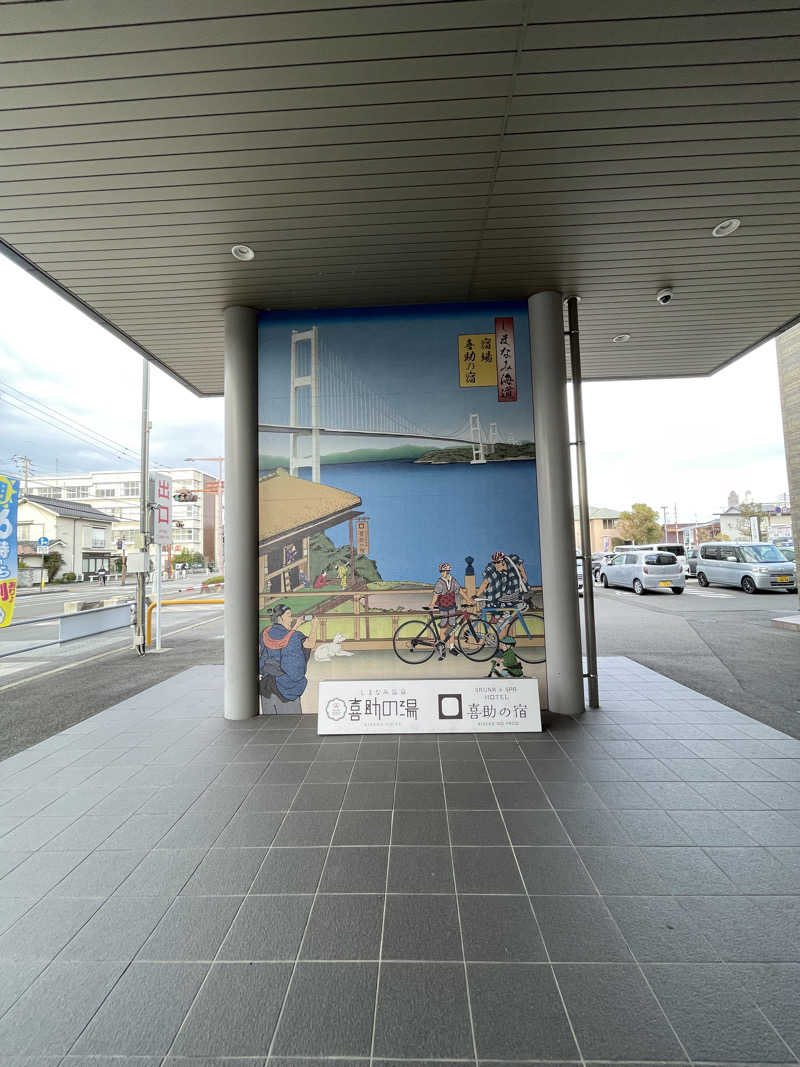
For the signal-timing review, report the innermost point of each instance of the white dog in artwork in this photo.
(326, 652)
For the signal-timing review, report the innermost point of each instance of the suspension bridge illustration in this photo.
(327, 399)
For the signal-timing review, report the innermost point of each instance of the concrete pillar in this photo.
(788, 348)
(556, 522)
(241, 512)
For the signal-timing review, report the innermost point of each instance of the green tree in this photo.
(640, 525)
(52, 561)
(325, 556)
(187, 557)
(747, 512)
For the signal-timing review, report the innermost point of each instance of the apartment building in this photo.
(117, 493)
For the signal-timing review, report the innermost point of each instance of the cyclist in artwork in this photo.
(446, 599)
(504, 585)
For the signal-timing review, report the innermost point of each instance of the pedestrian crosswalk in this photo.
(708, 593)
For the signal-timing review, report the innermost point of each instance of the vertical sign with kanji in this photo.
(506, 365)
(477, 363)
(362, 537)
(162, 500)
(9, 495)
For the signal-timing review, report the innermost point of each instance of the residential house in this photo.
(602, 528)
(79, 532)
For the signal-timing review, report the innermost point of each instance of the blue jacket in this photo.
(285, 647)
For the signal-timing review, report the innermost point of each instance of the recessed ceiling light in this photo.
(621, 338)
(243, 252)
(726, 228)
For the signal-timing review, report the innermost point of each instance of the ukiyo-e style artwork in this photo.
(398, 518)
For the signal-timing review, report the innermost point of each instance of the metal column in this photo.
(556, 525)
(241, 512)
(583, 502)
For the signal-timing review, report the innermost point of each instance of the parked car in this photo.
(674, 547)
(787, 551)
(748, 565)
(598, 559)
(643, 570)
(692, 555)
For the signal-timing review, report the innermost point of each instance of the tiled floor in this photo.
(179, 889)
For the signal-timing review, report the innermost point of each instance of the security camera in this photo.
(664, 296)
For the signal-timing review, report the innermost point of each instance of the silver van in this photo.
(674, 547)
(748, 565)
(643, 570)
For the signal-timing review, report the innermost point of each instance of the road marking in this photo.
(102, 655)
(702, 592)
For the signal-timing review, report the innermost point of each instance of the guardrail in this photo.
(167, 603)
(81, 624)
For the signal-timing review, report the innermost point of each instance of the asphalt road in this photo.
(719, 642)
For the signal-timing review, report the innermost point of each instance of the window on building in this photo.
(130, 488)
(24, 531)
(608, 524)
(77, 492)
(105, 492)
(52, 491)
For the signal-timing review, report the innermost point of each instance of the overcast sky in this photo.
(684, 441)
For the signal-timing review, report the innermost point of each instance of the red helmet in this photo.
(497, 556)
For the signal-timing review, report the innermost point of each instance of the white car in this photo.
(644, 571)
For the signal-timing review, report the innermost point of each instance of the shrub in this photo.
(215, 579)
(68, 577)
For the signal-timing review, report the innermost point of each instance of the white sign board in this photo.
(430, 706)
(162, 509)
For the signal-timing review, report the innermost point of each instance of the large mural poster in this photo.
(398, 520)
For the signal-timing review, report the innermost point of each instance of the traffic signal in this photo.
(185, 497)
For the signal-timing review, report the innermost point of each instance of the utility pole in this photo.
(219, 549)
(665, 509)
(144, 509)
(24, 467)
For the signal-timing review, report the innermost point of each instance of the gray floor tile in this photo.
(486, 870)
(502, 1031)
(552, 870)
(36, 875)
(526, 795)
(11, 908)
(680, 796)
(355, 870)
(192, 929)
(594, 828)
(344, 927)
(477, 828)
(649, 770)
(143, 1012)
(248, 829)
(741, 930)
(410, 749)
(363, 828)
(163, 871)
(422, 1012)
(284, 773)
(267, 928)
(555, 768)
(43, 931)
(117, 930)
(269, 797)
(652, 828)
(727, 796)
(197, 829)
(579, 930)
(298, 752)
(329, 773)
(470, 796)
(711, 828)
(464, 770)
(419, 796)
(755, 870)
(86, 833)
(226, 871)
(98, 875)
(374, 771)
(658, 930)
(369, 796)
(290, 870)
(509, 770)
(575, 796)
(420, 869)
(311, 797)
(535, 828)
(10, 860)
(71, 992)
(615, 1015)
(337, 751)
(377, 750)
(627, 796)
(624, 870)
(500, 929)
(775, 987)
(421, 927)
(328, 1030)
(140, 831)
(499, 750)
(687, 871)
(307, 828)
(420, 828)
(767, 827)
(34, 832)
(171, 799)
(419, 771)
(16, 977)
(713, 1017)
(236, 1010)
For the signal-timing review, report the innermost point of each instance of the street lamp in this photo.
(218, 542)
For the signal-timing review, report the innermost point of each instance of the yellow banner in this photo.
(8, 595)
(477, 359)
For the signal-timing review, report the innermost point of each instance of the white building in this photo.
(117, 494)
(75, 529)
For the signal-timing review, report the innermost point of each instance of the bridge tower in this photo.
(494, 437)
(478, 454)
(307, 362)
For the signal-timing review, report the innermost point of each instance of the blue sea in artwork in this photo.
(422, 514)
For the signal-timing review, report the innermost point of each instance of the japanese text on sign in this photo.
(506, 363)
(477, 360)
(9, 494)
(162, 503)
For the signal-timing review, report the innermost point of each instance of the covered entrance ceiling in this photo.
(391, 153)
